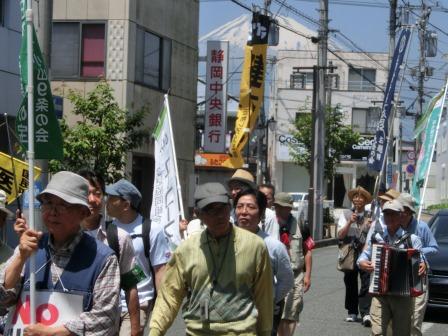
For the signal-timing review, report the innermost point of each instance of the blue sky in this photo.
(366, 25)
(355, 21)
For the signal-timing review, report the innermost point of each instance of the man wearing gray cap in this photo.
(224, 272)
(429, 247)
(151, 247)
(73, 268)
(394, 309)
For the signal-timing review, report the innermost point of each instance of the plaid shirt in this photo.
(103, 318)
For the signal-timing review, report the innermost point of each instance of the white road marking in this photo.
(426, 326)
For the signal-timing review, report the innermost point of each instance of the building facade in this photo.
(143, 49)
(10, 36)
(355, 87)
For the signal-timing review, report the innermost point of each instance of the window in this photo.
(361, 79)
(365, 120)
(78, 50)
(2, 13)
(153, 60)
(301, 80)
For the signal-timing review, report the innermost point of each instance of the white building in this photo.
(357, 84)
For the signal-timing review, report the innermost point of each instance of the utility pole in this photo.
(392, 29)
(426, 11)
(262, 123)
(319, 125)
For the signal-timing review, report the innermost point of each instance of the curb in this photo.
(326, 242)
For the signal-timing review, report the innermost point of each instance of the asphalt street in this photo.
(324, 311)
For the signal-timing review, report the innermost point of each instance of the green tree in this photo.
(104, 135)
(337, 137)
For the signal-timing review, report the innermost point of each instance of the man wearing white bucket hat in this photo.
(77, 277)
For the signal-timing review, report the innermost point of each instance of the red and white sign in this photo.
(52, 309)
(216, 97)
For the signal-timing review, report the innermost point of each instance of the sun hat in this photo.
(359, 191)
(390, 195)
(407, 201)
(243, 176)
(3, 207)
(71, 187)
(208, 193)
(283, 199)
(393, 205)
(126, 190)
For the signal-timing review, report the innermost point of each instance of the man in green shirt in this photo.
(224, 272)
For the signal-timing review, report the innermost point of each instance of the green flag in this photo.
(47, 134)
(429, 140)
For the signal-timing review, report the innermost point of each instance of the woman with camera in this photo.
(353, 227)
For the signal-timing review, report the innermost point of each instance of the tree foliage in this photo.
(104, 135)
(337, 137)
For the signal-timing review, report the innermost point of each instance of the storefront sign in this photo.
(359, 151)
(216, 97)
(283, 145)
(209, 160)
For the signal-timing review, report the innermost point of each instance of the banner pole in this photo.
(391, 121)
(420, 208)
(173, 147)
(13, 166)
(30, 152)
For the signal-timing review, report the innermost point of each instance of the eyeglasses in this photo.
(59, 208)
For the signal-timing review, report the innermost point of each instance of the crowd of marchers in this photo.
(380, 232)
(242, 268)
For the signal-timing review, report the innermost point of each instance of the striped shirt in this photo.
(241, 300)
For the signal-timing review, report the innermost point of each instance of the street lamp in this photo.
(271, 125)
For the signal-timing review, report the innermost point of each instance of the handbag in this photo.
(346, 257)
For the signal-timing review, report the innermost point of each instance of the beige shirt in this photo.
(127, 255)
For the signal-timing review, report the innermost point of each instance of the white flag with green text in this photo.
(165, 203)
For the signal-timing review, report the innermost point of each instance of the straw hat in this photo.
(243, 176)
(390, 195)
(360, 191)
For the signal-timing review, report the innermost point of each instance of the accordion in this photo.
(395, 271)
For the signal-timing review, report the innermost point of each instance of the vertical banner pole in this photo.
(432, 152)
(30, 152)
(173, 147)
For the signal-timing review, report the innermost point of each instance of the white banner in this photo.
(165, 199)
(216, 97)
(52, 309)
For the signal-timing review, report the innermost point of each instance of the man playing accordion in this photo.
(394, 309)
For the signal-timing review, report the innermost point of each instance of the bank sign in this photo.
(359, 151)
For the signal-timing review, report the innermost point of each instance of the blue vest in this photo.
(81, 272)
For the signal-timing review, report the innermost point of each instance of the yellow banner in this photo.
(251, 100)
(7, 183)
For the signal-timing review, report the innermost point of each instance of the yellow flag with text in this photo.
(14, 178)
(251, 89)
